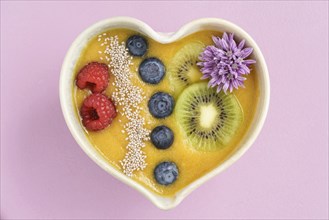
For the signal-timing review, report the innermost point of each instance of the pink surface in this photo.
(44, 173)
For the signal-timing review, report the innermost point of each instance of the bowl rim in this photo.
(187, 29)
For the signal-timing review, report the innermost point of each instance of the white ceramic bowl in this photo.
(67, 81)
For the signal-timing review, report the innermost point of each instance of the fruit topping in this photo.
(137, 45)
(166, 173)
(161, 105)
(183, 69)
(97, 112)
(94, 76)
(152, 70)
(162, 137)
(208, 119)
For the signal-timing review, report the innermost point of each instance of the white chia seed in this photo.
(129, 97)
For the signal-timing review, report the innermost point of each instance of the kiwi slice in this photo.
(183, 69)
(209, 119)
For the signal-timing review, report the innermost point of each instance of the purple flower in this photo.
(225, 63)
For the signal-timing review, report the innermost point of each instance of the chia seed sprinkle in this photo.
(129, 97)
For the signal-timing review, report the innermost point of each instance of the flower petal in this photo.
(225, 87)
(246, 52)
(217, 41)
(232, 42)
(245, 68)
(219, 88)
(225, 37)
(231, 87)
(248, 62)
(241, 44)
(225, 45)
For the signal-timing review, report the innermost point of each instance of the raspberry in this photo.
(94, 76)
(97, 112)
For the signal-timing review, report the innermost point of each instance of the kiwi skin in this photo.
(183, 70)
(208, 119)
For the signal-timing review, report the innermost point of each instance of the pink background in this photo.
(44, 173)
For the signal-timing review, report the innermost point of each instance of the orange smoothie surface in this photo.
(111, 142)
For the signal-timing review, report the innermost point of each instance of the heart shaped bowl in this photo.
(67, 81)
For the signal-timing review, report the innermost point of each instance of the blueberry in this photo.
(166, 173)
(152, 70)
(162, 137)
(161, 105)
(137, 45)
